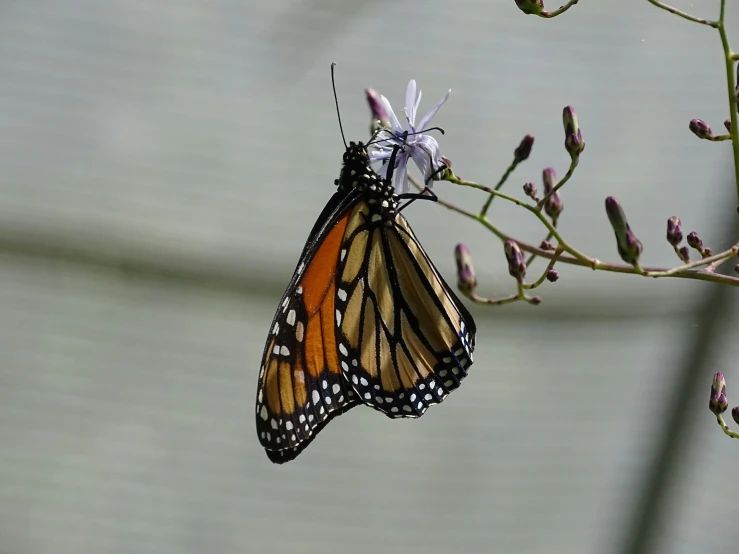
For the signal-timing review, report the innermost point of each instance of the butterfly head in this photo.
(356, 174)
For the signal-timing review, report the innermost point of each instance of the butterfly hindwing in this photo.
(404, 343)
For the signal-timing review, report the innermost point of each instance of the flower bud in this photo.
(735, 414)
(718, 402)
(727, 124)
(573, 137)
(700, 129)
(516, 263)
(629, 247)
(380, 117)
(529, 189)
(466, 278)
(674, 231)
(695, 241)
(552, 275)
(684, 254)
(531, 7)
(546, 245)
(524, 149)
(553, 206)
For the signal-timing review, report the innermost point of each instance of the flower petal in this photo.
(427, 157)
(400, 177)
(432, 112)
(394, 123)
(410, 103)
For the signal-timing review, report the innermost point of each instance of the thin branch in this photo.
(559, 10)
(685, 15)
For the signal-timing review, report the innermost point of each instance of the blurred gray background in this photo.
(160, 166)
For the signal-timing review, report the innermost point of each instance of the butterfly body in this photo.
(366, 319)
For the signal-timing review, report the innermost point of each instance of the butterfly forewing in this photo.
(404, 342)
(301, 385)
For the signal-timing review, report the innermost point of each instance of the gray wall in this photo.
(160, 166)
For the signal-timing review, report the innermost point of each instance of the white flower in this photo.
(422, 149)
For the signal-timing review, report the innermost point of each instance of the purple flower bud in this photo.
(553, 206)
(531, 7)
(629, 247)
(529, 189)
(694, 241)
(535, 300)
(546, 245)
(552, 275)
(524, 149)
(706, 252)
(684, 254)
(573, 137)
(735, 414)
(466, 279)
(674, 231)
(379, 114)
(516, 263)
(700, 129)
(718, 402)
(727, 124)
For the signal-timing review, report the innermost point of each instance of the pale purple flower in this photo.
(422, 149)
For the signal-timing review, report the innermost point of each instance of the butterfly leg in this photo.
(425, 194)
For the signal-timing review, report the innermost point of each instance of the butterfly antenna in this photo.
(336, 101)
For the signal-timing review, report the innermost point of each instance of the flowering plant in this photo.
(695, 260)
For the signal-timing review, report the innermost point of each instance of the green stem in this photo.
(494, 301)
(684, 15)
(502, 181)
(541, 279)
(731, 89)
(709, 261)
(541, 217)
(656, 272)
(725, 428)
(559, 10)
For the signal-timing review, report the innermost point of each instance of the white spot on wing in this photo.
(343, 254)
(316, 397)
(342, 295)
(338, 317)
(284, 351)
(343, 350)
(291, 317)
(336, 388)
(299, 331)
(289, 425)
(263, 413)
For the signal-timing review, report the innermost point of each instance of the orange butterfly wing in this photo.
(301, 386)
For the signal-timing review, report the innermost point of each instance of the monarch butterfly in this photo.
(366, 319)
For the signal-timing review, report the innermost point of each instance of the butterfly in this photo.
(366, 319)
